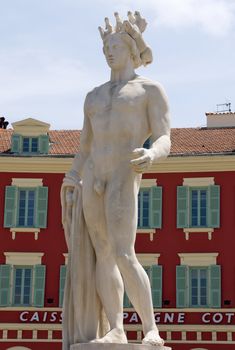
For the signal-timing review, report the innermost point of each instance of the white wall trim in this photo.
(148, 259)
(14, 258)
(148, 183)
(198, 259)
(66, 258)
(198, 181)
(18, 348)
(24, 182)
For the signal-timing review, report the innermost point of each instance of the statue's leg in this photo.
(109, 282)
(121, 216)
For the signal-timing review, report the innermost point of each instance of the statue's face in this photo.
(116, 51)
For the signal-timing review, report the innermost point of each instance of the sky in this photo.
(51, 56)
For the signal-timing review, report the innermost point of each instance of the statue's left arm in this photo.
(159, 121)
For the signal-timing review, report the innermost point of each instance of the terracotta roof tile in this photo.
(185, 141)
(202, 140)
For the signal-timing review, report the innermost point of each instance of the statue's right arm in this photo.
(74, 176)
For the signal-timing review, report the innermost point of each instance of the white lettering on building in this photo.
(134, 318)
(43, 317)
(181, 317)
(23, 316)
(218, 317)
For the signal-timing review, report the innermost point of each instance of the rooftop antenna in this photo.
(223, 107)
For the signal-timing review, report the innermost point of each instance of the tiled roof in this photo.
(185, 141)
(62, 142)
(190, 141)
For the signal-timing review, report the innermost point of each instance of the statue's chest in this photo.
(117, 102)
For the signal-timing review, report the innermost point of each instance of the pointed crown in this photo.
(134, 26)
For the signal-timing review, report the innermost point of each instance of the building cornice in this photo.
(176, 164)
(35, 164)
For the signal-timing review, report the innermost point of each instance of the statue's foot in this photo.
(116, 335)
(153, 338)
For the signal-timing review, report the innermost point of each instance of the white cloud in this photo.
(215, 17)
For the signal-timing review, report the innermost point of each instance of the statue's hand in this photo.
(142, 159)
(72, 179)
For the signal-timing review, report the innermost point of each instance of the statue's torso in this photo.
(119, 120)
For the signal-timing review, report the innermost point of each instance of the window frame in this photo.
(197, 188)
(154, 207)
(12, 206)
(30, 145)
(26, 189)
(15, 267)
(183, 280)
(184, 206)
(140, 207)
(33, 261)
(198, 268)
(17, 144)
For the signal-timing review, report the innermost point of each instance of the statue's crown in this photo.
(138, 22)
(135, 25)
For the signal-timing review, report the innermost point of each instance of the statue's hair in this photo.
(135, 53)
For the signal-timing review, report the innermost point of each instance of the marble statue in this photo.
(99, 194)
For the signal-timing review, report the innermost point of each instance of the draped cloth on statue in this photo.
(83, 315)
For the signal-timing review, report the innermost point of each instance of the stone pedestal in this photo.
(113, 346)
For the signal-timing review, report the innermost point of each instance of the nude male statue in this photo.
(119, 116)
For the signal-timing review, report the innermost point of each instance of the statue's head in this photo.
(119, 48)
(125, 41)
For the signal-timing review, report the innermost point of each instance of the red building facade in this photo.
(185, 238)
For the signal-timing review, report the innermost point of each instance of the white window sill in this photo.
(35, 230)
(149, 231)
(207, 230)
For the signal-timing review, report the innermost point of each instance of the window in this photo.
(22, 285)
(26, 207)
(198, 207)
(30, 144)
(198, 285)
(143, 208)
(198, 281)
(150, 207)
(154, 273)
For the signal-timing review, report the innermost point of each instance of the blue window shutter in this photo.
(44, 144)
(126, 301)
(156, 284)
(41, 208)
(214, 206)
(16, 143)
(39, 285)
(182, 206)
(5, 286)
(215, 285)
(182, 276)
(10, 206)
(63, 269)
(155, 211)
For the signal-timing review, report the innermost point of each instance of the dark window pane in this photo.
(25, 144)
(34, 145)
(203, 301)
